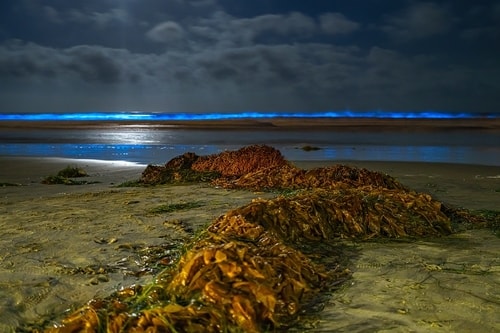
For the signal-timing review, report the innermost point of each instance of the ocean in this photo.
(153, 144)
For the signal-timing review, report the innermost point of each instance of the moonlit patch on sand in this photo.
(114, 163)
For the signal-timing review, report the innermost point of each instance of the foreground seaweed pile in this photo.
(238, 277)
(247, 272)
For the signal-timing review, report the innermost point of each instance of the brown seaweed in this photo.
(260, 167)
(190, 167)
(245, 272)
(241, 162)
(65, 176)
(290, 177)
(237, 277)
(349, 213)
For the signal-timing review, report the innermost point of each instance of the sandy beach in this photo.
(63, 245)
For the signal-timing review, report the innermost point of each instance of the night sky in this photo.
(258, 55)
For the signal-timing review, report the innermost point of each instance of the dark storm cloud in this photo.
(261, 65)
(196, 56)
(325, 76)
(19, 60)
(31, 61)
(93, 64)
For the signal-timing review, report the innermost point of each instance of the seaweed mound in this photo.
(66, 175)
(241, 162)
(248, 271)
(260, 167)
(243, 274)
(290, 177)
(237, 277)
(190, 167)
(325, 215)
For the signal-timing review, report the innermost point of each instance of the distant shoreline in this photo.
(277, 123)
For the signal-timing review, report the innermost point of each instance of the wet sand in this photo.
(63, 245)
(278, 123)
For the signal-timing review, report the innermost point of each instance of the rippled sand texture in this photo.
(443, 285)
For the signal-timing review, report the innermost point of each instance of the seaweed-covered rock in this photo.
(241, 162)
(190, 167)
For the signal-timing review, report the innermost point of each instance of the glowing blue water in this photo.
(152, 116)
(152, 144)
(159, 154)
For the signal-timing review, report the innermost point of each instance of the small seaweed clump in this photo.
(310, 148)
(72, 172)
(65, 176)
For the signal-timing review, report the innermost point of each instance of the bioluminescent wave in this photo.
(158, 154)
(157, 116)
